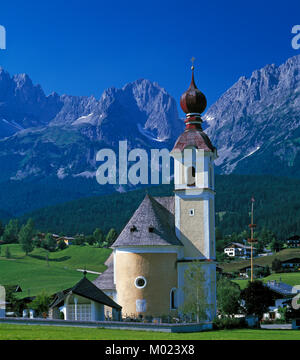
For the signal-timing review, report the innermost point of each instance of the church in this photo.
(145, 273)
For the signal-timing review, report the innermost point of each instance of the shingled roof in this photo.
(86, 289)
(151, 224)
(280, 288)
(195, 138)
(105, 281)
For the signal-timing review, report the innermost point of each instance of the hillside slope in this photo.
(277, 207)
(34, 274)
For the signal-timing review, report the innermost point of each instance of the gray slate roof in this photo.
(242, 246)
(152, 212)
(105, 281)
(87, 289)
(280, 288)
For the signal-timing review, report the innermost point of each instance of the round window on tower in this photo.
(140, 282)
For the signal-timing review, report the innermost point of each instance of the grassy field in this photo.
(36, 332)
(263, 261)
(288, 278)
(34, 274)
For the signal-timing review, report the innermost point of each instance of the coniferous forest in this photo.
(277, 207)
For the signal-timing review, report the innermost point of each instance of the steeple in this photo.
(193, 102)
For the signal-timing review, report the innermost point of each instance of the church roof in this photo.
(105, 281)
(86, 289)
(194, 138)
(152, 224)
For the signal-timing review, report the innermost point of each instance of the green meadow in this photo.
(36, 332)
(288, 278)
(35, 274)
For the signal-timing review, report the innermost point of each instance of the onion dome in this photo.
(193, 101)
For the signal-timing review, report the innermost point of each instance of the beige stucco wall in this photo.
(192, 227)
(161, 275)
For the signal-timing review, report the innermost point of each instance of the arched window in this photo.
(173, 299)
(191, 175)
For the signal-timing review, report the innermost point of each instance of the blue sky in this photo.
(82, 47)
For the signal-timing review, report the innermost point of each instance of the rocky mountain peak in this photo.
(255, 114)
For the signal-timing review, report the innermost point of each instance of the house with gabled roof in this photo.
(83, 302)
(282, 295)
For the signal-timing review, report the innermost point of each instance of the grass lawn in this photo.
(288, 278)
(34, 274)
(37, 332)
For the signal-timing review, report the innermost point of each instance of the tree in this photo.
(50, 242)
(11, 231)
(282, 311)
(26, 236)
(195, 294)
(37, 241)
(79, 240)
(62, 245)
(99, 237)
(267, 271)
(111, 237)
(13, 303)
(276, 245)
(1, 228)
(228, 295)
(90, 239)
(276, 265)
(243, 236)
(257, 298)
(259, 246)
(7, 253)
(266, 236)
(41, 303)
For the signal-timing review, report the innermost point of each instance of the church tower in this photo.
(165, 235)
(194, 157)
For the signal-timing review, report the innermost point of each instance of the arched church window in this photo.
(191, 175)
(173, 299)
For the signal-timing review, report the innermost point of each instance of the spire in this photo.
(193, 101)
(193, 85)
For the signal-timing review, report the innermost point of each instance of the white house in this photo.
(238, 250)
(83, 302)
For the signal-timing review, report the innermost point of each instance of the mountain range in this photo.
(49, 142)
(255, 125)
(59, 136)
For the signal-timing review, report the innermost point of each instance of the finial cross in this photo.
(193, 60)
